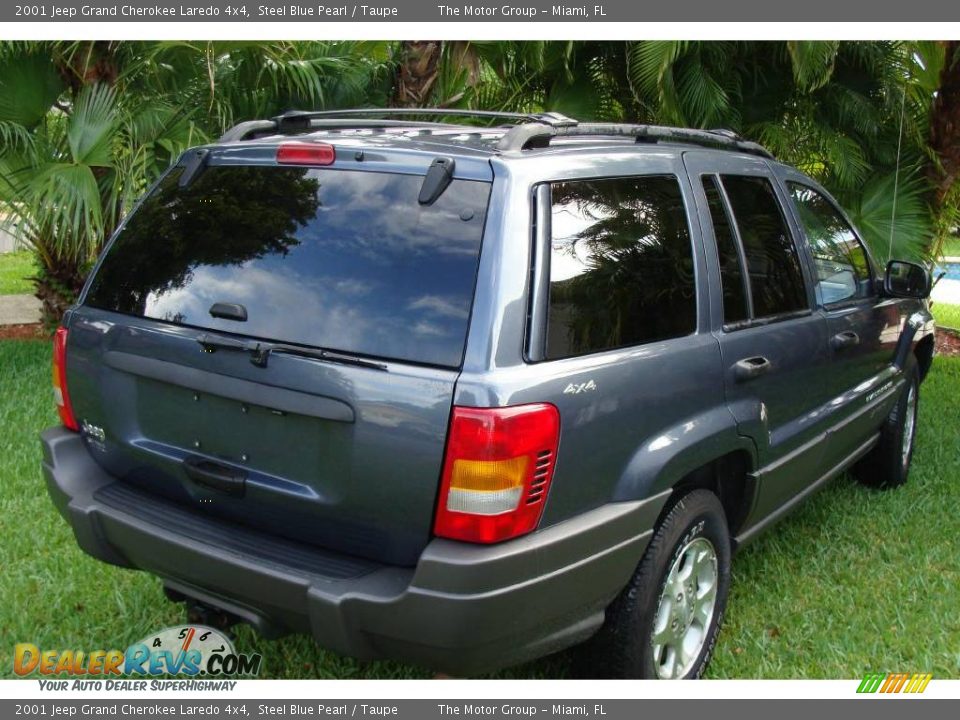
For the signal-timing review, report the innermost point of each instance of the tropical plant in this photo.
(87, 126)
(851, 114)
(944, 123)
(855, 115)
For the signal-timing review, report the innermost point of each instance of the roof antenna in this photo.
(896, 173)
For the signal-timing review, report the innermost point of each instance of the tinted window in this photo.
(843, 272)
(621, 266)
(327, 258)
(731, 272)
(773, 264)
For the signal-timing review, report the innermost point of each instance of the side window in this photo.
(731, 272)
(621, 265)
(773, 264)
(843, 272)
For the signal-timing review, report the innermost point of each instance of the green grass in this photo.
(859, 579)
(951, 248)
(856, 580)
(947, 315)
(15, 268)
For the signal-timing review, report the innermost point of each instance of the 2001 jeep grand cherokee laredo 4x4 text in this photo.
(464, 396)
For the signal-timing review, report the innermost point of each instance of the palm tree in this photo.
(944, 168)
(418, 64)
(837, 110)
(87, 126)
(852, 114)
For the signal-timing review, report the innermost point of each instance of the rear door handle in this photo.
(215, 476)
(845, 339)
(751, 367)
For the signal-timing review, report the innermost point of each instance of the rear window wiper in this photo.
(260, 351)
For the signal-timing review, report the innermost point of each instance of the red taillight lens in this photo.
(496, 473)
(60, 394)
(300, 153)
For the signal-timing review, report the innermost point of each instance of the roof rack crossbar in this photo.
(531, 135)
(302, 120)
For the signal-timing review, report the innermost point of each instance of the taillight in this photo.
(496, 472)
(301, 153)
(60, 394)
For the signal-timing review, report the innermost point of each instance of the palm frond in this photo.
(65, 199)
(876, 210)
(812, 62)
(29, 86)
(90, 130)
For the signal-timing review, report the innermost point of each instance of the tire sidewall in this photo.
(691, 517)
(912, 384)
(898, 424)
(883, 467)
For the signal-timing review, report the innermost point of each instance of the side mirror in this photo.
(907, 280)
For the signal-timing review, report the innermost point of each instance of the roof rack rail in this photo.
(295, 121)
(253, 129)
(538, 135)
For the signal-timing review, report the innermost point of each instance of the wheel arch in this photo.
(706, 452)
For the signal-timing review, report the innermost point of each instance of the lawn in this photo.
(951, 248)
(15, 268)
(947, 315)
(857, 580)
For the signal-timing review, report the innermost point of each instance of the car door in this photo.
(773, 345)
(862, 327)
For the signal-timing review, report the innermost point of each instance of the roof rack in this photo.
(539, 135)
(295, 121)
(532, 130)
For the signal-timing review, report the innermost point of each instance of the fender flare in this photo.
(660, 462)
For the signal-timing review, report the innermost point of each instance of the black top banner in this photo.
(523, 11)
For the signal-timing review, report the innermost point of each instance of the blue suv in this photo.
(469, 395)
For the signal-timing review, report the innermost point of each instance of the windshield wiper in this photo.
(260, 351)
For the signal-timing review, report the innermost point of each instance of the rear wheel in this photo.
(887, 465)
(665, 622)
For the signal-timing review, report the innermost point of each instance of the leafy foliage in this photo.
(86, 127)
(854, 115)
(892, 215)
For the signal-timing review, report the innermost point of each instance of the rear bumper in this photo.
(463, 609)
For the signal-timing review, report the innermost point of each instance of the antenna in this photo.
(896, 173)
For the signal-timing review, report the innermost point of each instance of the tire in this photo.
(624, 646)
(887, 465)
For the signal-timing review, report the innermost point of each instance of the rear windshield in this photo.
(337, 259)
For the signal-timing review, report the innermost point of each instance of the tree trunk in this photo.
(416, 73)
(57, 288)
(88, 64)
(945, 130)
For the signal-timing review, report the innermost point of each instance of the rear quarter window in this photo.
(621, 265)
(344, 260)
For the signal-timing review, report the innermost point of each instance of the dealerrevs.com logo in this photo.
(184, 650)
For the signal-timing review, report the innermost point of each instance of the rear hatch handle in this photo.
(260, 351)
(223, 478)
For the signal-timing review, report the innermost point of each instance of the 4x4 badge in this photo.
(577, 388)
